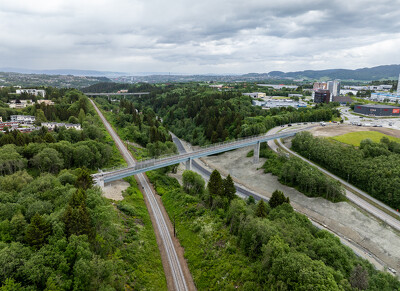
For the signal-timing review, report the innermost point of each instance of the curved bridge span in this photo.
(152, 164)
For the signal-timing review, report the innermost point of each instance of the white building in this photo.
(25, 119)
(34, 92)
(53, 125)
(279, 103)
(19, 103)
(255, 94)
(278, 87)
(334, 88)
(46, 102)
(398, 87)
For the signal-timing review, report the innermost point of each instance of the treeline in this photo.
(111, 87)
(263, 246)
(202, 116)
(373, 167)
(142, 127)
(307, 179)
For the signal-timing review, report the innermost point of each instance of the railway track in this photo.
(179, 280)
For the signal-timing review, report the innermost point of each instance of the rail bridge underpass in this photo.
(152, 164)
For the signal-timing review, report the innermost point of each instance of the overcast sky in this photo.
(199, 36)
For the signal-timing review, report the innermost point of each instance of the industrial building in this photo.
(322, 96)
(377, 110)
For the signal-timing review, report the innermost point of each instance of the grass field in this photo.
(354, 138)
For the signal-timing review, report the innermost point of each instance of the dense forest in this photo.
(231, 243)
(202, 116)
(373, 167)
(142, 127)
(57, 231)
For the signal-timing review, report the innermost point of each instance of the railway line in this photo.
(178, 277)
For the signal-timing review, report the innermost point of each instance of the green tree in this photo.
(229, 188)
(76, 217)
(18, 225)
(251, 200)
(193, 183)
(81, 116)
(10, 285)
(40, 117)
(359, 278)
(37, 231)
(48, 160)
(261, 210)
(277, 199)
(84, 179)
(215, 186)
(49, 138)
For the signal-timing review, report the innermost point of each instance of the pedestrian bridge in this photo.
(152, 164)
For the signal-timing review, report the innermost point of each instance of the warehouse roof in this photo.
(377, 106)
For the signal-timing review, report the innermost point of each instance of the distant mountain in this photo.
(89, 73)
(364, 74)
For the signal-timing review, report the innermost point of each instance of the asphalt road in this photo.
(173, 261)
(197, 167)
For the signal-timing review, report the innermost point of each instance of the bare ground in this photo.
(113, 190)
(343, 217)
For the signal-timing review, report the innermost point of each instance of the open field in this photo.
(355, 138)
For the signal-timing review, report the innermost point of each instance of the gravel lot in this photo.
(114, 190)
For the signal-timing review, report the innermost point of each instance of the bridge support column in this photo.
(189, 164)
(256, 157)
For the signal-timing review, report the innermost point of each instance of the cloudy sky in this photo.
(199, 36)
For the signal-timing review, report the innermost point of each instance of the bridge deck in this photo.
(116, 94)
(153, 164)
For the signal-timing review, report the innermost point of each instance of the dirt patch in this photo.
(113, 190)
(336, 130)
(343, 218)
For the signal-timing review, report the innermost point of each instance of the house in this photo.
(34, 92)
(10, 125)
(53, 125)
(25, 119)
(45, 102)
(19, 103)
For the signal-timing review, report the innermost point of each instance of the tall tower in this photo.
(398, 87)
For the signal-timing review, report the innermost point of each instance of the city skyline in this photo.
(191, 37)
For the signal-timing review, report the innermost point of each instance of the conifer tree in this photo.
(37, 231)
(229, 188)
(76, 217)
(261, 210)
(215, 186)
(84, 179)
(277, 199)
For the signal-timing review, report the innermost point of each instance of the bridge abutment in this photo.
(256, 157)
(99, 182)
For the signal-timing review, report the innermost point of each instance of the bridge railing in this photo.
(148, 162)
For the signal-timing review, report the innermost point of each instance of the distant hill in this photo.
(89, 73)
(365, 74)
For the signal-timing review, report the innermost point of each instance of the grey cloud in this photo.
(203, 35)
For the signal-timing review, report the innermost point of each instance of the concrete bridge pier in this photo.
(256, 156)
(189, 164)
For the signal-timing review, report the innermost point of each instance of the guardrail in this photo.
(165, 160)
